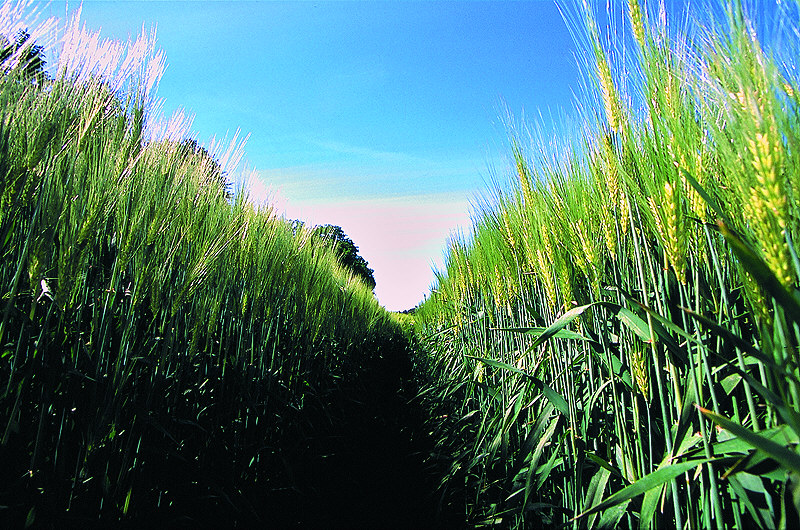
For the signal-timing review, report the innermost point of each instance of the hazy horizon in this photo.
(384, 118)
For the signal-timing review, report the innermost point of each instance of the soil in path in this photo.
(367, 468)
(357, 458)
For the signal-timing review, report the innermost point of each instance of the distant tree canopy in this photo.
(347, 252)
(31, 62)
(190, 147)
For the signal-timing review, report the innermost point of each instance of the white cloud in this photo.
(401, 231)
(375, 174)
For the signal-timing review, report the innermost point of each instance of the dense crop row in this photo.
(163, 348)
(620, 333)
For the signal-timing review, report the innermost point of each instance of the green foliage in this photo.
(191, 150)
(165, 352)
(347, 252)
(616, 343)
(27, 57)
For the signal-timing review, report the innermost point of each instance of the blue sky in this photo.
(381, 117)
